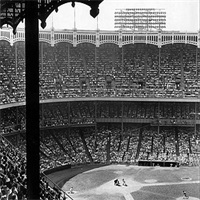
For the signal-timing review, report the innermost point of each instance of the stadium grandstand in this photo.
(105, 97)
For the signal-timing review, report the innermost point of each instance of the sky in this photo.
(182, 15)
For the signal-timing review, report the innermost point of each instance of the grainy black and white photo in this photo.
(99, 99)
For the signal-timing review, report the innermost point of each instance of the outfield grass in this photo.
(167, 174)
(167, 192)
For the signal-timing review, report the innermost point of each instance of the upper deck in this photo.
(149, 63)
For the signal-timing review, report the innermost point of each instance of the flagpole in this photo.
(97, 23)
(199, 17)
(74, 17)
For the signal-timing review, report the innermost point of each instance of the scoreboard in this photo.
(140, 19)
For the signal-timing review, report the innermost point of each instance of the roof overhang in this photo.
(12, 12)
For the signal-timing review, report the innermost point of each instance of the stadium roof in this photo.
(12, 12)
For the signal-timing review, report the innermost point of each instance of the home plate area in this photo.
(129, 182)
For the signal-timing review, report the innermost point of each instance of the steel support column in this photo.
(32, 99)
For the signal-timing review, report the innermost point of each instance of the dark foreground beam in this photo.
(32, 99)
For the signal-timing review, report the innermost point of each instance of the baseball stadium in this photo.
(119, 114)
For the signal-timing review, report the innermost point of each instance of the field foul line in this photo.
(173, 183)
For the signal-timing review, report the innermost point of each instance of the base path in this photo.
(128, 196)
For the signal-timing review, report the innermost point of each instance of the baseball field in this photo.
(141, 183)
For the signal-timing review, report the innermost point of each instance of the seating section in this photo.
(78, 113)
(137, 70)
(111, 144)
(13, 175)
(167, 128)
(80, 132)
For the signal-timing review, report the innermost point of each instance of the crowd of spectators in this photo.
(86, 113)
(13, 180)
(75, 113)
(104, 144)
(137, 70)
(182, 149)
(111, 144)
(13, 173)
